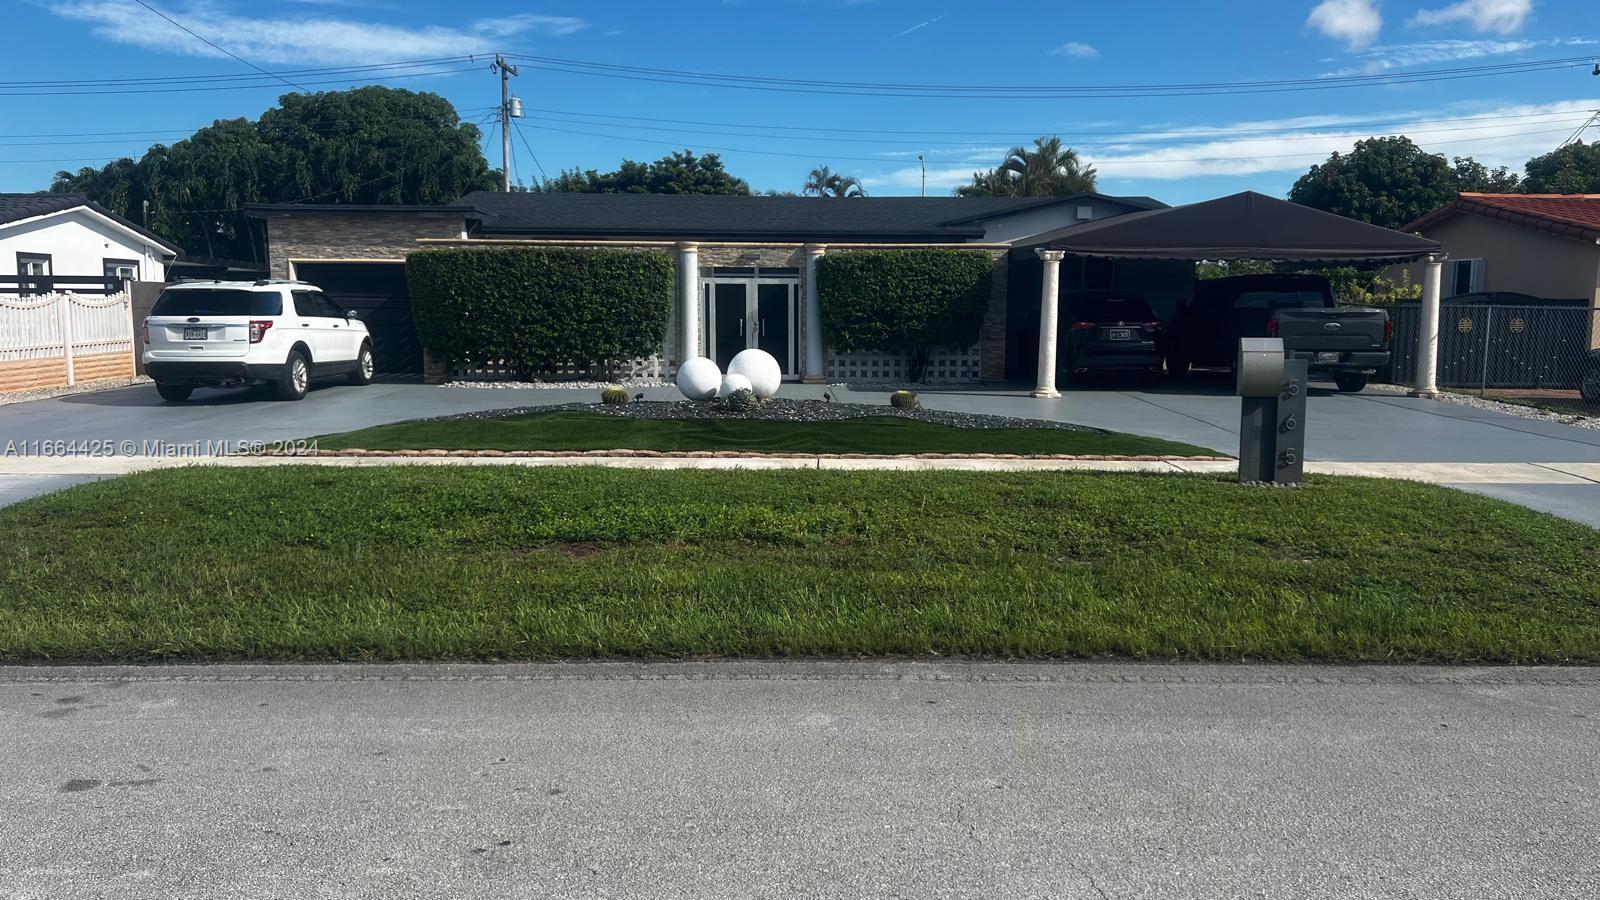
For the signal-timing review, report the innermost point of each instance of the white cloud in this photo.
(295, 39)
(1355, 22)
(1076, 49)
(1269, 146)
(1496, 16)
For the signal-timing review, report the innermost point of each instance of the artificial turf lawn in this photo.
(568, 430)
(416, 562)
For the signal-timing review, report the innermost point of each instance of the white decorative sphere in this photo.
(734, 382)
(762, 370)
(699, 378)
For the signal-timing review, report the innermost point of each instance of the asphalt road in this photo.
(799, 779)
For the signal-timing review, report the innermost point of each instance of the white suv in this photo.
(230, 333)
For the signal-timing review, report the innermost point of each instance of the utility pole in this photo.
(506, 72)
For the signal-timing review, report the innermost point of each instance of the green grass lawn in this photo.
(419, 562)
(567, 430)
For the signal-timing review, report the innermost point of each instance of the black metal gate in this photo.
(378, 291)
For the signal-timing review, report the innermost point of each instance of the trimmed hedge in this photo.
(540, 310)
(904, 301)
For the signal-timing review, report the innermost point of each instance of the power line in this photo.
(1119, 162)
(1007, 135)
(226, 87)
(1077, 144)
(518, 127)
(220, 48)
(183, 79)
(1018, 92)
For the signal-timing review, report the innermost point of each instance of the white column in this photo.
(1427, 380)
(813, 373)
(1049, 304)
(689, 289)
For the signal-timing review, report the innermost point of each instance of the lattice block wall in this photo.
(946, 367)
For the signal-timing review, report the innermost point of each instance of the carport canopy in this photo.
(1243, 226)
(1247, 226)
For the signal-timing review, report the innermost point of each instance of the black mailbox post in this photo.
(1272, 416)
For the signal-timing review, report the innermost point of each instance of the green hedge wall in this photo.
(540, 309)
(904, 301)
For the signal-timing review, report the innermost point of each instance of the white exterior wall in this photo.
(1025, 225)
(78, 243)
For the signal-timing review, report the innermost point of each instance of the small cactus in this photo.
(744, 401)
(614, 395)
(905, 400)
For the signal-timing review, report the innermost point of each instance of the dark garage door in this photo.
(378, 291)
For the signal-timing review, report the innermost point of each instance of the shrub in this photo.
(744, 401)
(905, 400)
(614, 395)
(540, 310)
(904, 301)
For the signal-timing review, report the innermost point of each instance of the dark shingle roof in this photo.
(709, 216)
(16, 207)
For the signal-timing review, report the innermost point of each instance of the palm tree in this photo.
(1045, 170)
(1048, 169)
(823, 182)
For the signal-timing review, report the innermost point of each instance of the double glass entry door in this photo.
(742, 313)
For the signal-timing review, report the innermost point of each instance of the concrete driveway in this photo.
(1367, 427)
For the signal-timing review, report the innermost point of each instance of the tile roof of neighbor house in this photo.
(710, 216)
(1569, 215)
(16, 207)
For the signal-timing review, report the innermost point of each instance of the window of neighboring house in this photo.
(1466, 276)
(32, 264)
(124, 270)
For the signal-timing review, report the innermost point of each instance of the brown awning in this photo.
(1243, 226)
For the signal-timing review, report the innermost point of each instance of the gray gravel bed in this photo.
(1510, 409)
(777, 411)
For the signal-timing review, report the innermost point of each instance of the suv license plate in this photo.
(1327, 357)
(1119, 334)
(196, 332)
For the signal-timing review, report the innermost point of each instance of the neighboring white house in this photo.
(68, 235)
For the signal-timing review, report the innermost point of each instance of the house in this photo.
(1542, 245)
(70, 236)
(741, 259)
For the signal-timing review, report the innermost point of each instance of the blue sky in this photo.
(1143, 145)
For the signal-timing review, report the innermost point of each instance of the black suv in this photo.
(1109, 330)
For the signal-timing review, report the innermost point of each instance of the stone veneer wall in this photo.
(320, 236)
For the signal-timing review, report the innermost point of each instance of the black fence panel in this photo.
(1507, 347)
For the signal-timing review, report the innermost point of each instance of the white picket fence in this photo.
(66, 324)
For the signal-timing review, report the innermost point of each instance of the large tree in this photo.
(371, 145)
(1387, 181)
(1047, 169)
(824, 182)
(678, 173)
(1470, 175)
(1573, 169)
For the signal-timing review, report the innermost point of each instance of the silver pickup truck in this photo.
(1348, 342)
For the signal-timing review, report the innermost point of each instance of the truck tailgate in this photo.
(1337, 328)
